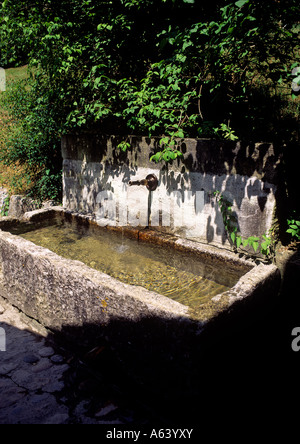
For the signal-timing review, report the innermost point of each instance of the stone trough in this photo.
(59, 292)
(77, 302)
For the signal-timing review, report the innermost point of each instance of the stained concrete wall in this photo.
(96, 179)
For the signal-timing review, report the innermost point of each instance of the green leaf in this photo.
(164, 140)
(264, 246)
(186, 44)
(179, 134)
(241, 3)
(178, 153)
(232, 235)
(238, 241)
(156, 157)
(166, 156)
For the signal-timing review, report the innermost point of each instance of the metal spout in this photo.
(150, 182)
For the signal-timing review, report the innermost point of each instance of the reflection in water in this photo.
(165, 271)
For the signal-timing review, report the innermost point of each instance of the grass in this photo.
(15, 177)
(16, 73)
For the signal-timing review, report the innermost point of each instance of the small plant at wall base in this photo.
(264, 246)
(294, 230)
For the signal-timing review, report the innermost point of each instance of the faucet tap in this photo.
(150, 182)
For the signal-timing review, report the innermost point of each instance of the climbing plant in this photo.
(264, 245)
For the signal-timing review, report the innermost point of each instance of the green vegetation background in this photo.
(167, 68)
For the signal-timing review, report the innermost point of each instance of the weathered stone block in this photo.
(18, 205)
(96, 181)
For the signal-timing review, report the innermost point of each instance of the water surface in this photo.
(175, 275)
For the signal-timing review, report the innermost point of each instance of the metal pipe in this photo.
(150, 182)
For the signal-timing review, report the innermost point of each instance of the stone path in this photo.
(44, 384)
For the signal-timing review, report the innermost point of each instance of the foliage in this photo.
(227, 132)
(222, 69)
(17, 178)
(5, 207)
(31, 142)
(123, 146)
(294, 228)
(264, 246)
(169, 145)
(155, 67)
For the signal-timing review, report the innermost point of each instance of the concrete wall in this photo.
(96, 179)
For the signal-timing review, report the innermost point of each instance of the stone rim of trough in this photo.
(252, 280)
